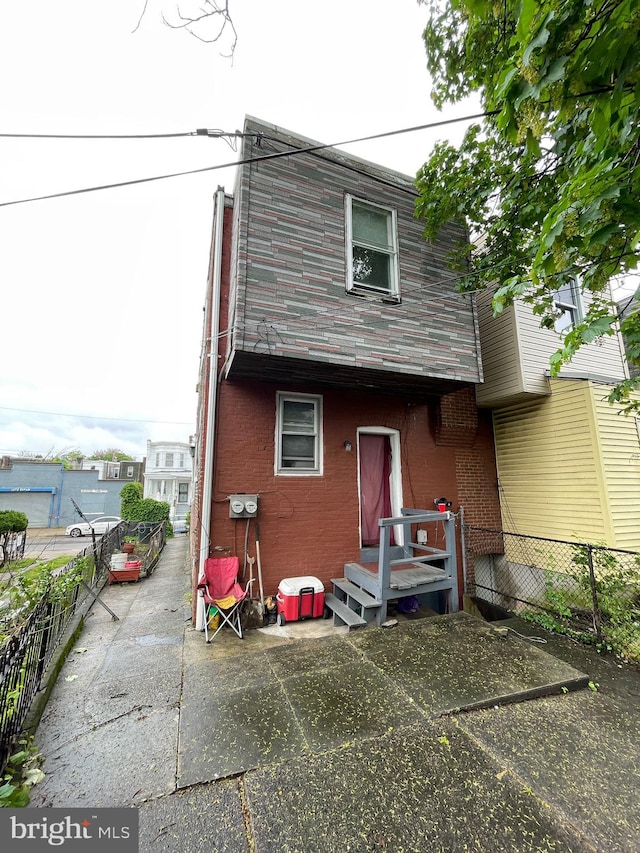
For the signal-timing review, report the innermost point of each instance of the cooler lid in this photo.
(292, 586)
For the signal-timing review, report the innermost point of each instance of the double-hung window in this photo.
(299, 435)
(372, 250)
(566, 301)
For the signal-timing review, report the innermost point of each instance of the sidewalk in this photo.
(349, 742)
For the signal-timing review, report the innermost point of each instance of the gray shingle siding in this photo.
(288, 296)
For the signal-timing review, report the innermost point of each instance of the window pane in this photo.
(298, 417)
(298, 451)
(298, 447)
(564, 321)
(371, 268)
(566, 294)
(370, 225)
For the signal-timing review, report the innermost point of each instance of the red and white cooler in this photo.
(300, 598)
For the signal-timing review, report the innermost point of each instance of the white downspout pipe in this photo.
(209, 445)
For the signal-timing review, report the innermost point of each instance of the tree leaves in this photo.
(551, 184)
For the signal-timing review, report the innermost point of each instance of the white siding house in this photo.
(168, 477)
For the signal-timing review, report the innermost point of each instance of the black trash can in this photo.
(145, 529)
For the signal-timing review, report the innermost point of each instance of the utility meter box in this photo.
(243, 506)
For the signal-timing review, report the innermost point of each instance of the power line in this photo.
(94, 417)
(276, 155)
(201, 131)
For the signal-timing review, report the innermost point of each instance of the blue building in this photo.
(43, 491)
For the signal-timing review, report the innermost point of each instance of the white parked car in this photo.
(100, 525)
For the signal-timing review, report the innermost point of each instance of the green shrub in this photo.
(11, 522)
(130, 497)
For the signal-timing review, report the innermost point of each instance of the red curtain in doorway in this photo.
(375, 490)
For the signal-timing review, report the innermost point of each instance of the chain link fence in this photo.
(587, 591)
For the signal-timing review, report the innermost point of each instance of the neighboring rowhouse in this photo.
(44, 492)
(167, 477)
(339, 365)
(568, 461)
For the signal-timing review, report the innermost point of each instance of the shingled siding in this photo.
(289, 272)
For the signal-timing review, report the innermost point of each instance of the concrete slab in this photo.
(454, 662)
(579, 753)
(252, 710)
(427, 787)
(120, 762)
(310, 655)
(200, 820)
(334, 706)
(224, 732)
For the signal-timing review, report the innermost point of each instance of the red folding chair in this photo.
(221, 596)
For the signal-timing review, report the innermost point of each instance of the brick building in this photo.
(339, 366)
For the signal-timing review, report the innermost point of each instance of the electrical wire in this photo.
(94, 417)
(199, 132)
(246, 161)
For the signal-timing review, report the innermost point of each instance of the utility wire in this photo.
(201, 131)
(94, 417)
(274, 156)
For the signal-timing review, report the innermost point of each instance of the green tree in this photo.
(550, 180)
(68, 458)
(111, 454)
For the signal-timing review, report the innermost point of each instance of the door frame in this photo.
(395, 476)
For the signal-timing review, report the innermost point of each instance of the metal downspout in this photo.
(209, 447)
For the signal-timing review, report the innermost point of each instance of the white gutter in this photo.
(209, 445)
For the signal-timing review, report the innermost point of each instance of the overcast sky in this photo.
(102, 292)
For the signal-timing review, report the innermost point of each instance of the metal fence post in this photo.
(597, 621)
(463, 548)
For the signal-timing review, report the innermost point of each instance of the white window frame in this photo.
(571, 309)
(281, 398)
(392, 293)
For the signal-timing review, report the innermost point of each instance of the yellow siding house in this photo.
(568, 461)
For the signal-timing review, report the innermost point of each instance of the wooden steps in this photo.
(342, 613)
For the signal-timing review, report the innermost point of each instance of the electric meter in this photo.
(243, 506)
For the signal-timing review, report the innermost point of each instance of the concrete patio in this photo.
(439, 734)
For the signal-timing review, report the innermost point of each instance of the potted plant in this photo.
(129, 544)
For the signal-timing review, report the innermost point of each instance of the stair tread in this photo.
(343, 611)
(354, 591)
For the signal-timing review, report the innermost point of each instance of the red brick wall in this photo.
(309, 525)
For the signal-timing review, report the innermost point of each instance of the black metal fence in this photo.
(32, 628)
(584, 590)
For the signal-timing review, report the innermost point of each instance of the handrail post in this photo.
(384, 557)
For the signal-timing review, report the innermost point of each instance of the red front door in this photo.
(375, 488)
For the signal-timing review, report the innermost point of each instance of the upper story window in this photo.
(181, 463)
(299, 435)
(168, 460)
(567, 301)
(372, 250)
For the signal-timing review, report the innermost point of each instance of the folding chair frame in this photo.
(231, 616)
